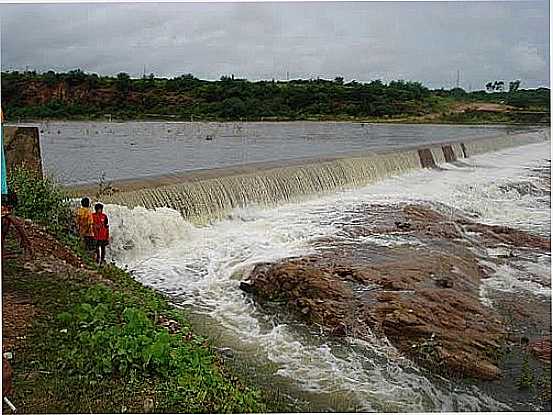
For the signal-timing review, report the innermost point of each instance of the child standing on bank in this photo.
(101, 232)
(85, 224)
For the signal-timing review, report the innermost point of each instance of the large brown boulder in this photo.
(425, 300)
(445, 328)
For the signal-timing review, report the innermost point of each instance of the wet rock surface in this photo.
(541, 348)
(422, 292)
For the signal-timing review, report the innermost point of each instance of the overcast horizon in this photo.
(427, 42)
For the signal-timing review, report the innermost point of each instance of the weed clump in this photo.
(42, 200)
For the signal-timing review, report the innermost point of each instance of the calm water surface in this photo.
(80, 152)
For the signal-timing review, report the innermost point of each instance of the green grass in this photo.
(42, 200)
(483, 117)
(526, 378)
(96, 347)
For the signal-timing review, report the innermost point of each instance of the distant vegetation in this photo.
(523, 99)
(78, 95)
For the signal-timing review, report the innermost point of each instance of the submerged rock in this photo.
(246, 287)
(424, 300)
(339, 331)
(225, 352)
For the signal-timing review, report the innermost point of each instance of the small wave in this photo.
(520, 277)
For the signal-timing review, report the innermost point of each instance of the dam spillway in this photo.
(200, 268)
(202, 196)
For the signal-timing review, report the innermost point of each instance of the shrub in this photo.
(110, 334)
(40, 199)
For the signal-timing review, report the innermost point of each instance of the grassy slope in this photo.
(96, 344)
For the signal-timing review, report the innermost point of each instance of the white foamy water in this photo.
(201, 268)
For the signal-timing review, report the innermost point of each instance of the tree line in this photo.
(76, 94)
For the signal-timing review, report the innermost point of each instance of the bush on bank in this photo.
(40, 199)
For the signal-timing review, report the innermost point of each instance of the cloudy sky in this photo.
(423, 41)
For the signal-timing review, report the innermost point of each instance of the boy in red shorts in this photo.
(101, 232)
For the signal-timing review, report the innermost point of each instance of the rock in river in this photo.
(425, 300)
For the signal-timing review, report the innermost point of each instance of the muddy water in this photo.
(80, 152)
(201, 268)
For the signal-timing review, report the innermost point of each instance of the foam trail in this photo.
(528, 278)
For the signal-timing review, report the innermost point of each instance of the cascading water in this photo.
(212, 198)
(200, 201)
(200, 267)
(497, 143)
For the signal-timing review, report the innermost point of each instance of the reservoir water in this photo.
(82, 152)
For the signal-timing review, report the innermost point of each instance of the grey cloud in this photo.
(363, 41)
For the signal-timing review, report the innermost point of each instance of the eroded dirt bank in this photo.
(423, 291)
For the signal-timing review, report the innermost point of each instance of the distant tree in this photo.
(123, 82)
(150, 81)
(75, 77)
(526, 98)
(514, 85)
(50, 78)
(496, 86)
(183, 83)
(233, 108)
(93, 80)
(458, 92)
(339, 80)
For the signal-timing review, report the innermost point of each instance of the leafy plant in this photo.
(526, 379)
(105, 187)
(40, 199)
(110, 334)
(543, 385)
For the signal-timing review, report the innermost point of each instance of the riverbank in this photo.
(450, 113)
(84, 96)
(94, 340)
(87, 339)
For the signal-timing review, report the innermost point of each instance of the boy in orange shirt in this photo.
(85, 224)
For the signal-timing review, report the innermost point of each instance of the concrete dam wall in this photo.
(22, 148)
(210, 194)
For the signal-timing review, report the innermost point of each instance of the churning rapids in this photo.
(200, 268)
